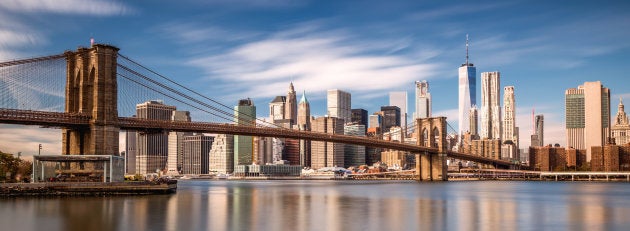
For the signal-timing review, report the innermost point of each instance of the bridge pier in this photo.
(91, 89)
(431, 132)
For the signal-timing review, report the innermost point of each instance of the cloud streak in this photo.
(85, 7)
(315, 61)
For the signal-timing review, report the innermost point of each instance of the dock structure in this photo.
(88, 188)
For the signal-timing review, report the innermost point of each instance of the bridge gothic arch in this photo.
(431, 132)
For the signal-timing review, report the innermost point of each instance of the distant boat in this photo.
(223, 176)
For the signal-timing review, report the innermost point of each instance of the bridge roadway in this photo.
(62, 120)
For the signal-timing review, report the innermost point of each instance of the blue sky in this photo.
(232, 49)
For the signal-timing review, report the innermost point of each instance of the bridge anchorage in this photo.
(91, 124)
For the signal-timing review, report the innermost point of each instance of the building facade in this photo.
(490, 105)
(587, 128)
(304, 123)
(399, 99)
(196, 157)
(621, 127)
(391, 117)
(290, 110)
(538, 138)
(176, 145)
(354, 154)
(222, 154)
(359, 116)
(423, 100)
(327, 154)
(277, 108)
(244, 115)
(339, 104)
(152, 148)
(510, 131)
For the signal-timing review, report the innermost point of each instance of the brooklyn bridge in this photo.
(89, 94)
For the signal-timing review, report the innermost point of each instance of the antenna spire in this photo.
(466, 49)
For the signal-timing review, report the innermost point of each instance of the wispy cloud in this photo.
(454, 9)
(86, 7)
(316, 61)
(29, 138)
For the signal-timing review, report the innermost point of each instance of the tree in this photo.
(12, 168)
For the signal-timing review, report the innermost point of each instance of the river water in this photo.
(336, 205)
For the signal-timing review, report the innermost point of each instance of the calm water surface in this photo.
(336, 205)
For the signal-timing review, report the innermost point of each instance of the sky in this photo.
(233, 49)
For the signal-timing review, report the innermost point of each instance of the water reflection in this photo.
(335, 205)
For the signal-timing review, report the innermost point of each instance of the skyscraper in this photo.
(152, 148)
(222, 154)
(327, 154)
(509, 123)
(474, 121)
(621, 127)
(490, 105)
(423, 100)
(587, 128)
(176, 144)
(360, 116)
(277, 108)
(304, 114)
(538, 138)
(391, 117)
(399, 99)
(196, 154)
(467, 92)
(131, 151)
(354, 154)
(339, 104)
(245, 115)
(290, 110)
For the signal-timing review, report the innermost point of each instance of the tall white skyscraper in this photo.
(490, 105)
(509, 114)
(399, 99)
(510, 131)
(423, 100)
(339, 104)
(467, 92)
(175, 158)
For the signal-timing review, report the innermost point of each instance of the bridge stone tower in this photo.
(91, 89)
(431, 132)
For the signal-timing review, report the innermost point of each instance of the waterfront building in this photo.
(423, 100)
(290, 109)
(391, 117)
(268, 170)
(490, 105)
(395, 159)
(467, 92)
(489, 148)
(548, 158)
(244, 115)
(263, 150)
(175, 159)
(304, 123)
(621, 127)
(327, 154)
(196, 155)
(339, 104)
(399, 99)
(359, 116)
(510, 131)
(277, 108)
(610, 158)
(587, 128)
(152, 148)
(222, 154)
(354, 154)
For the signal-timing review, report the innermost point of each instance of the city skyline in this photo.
(303, 41)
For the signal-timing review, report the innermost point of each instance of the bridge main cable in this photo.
(31, 60)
